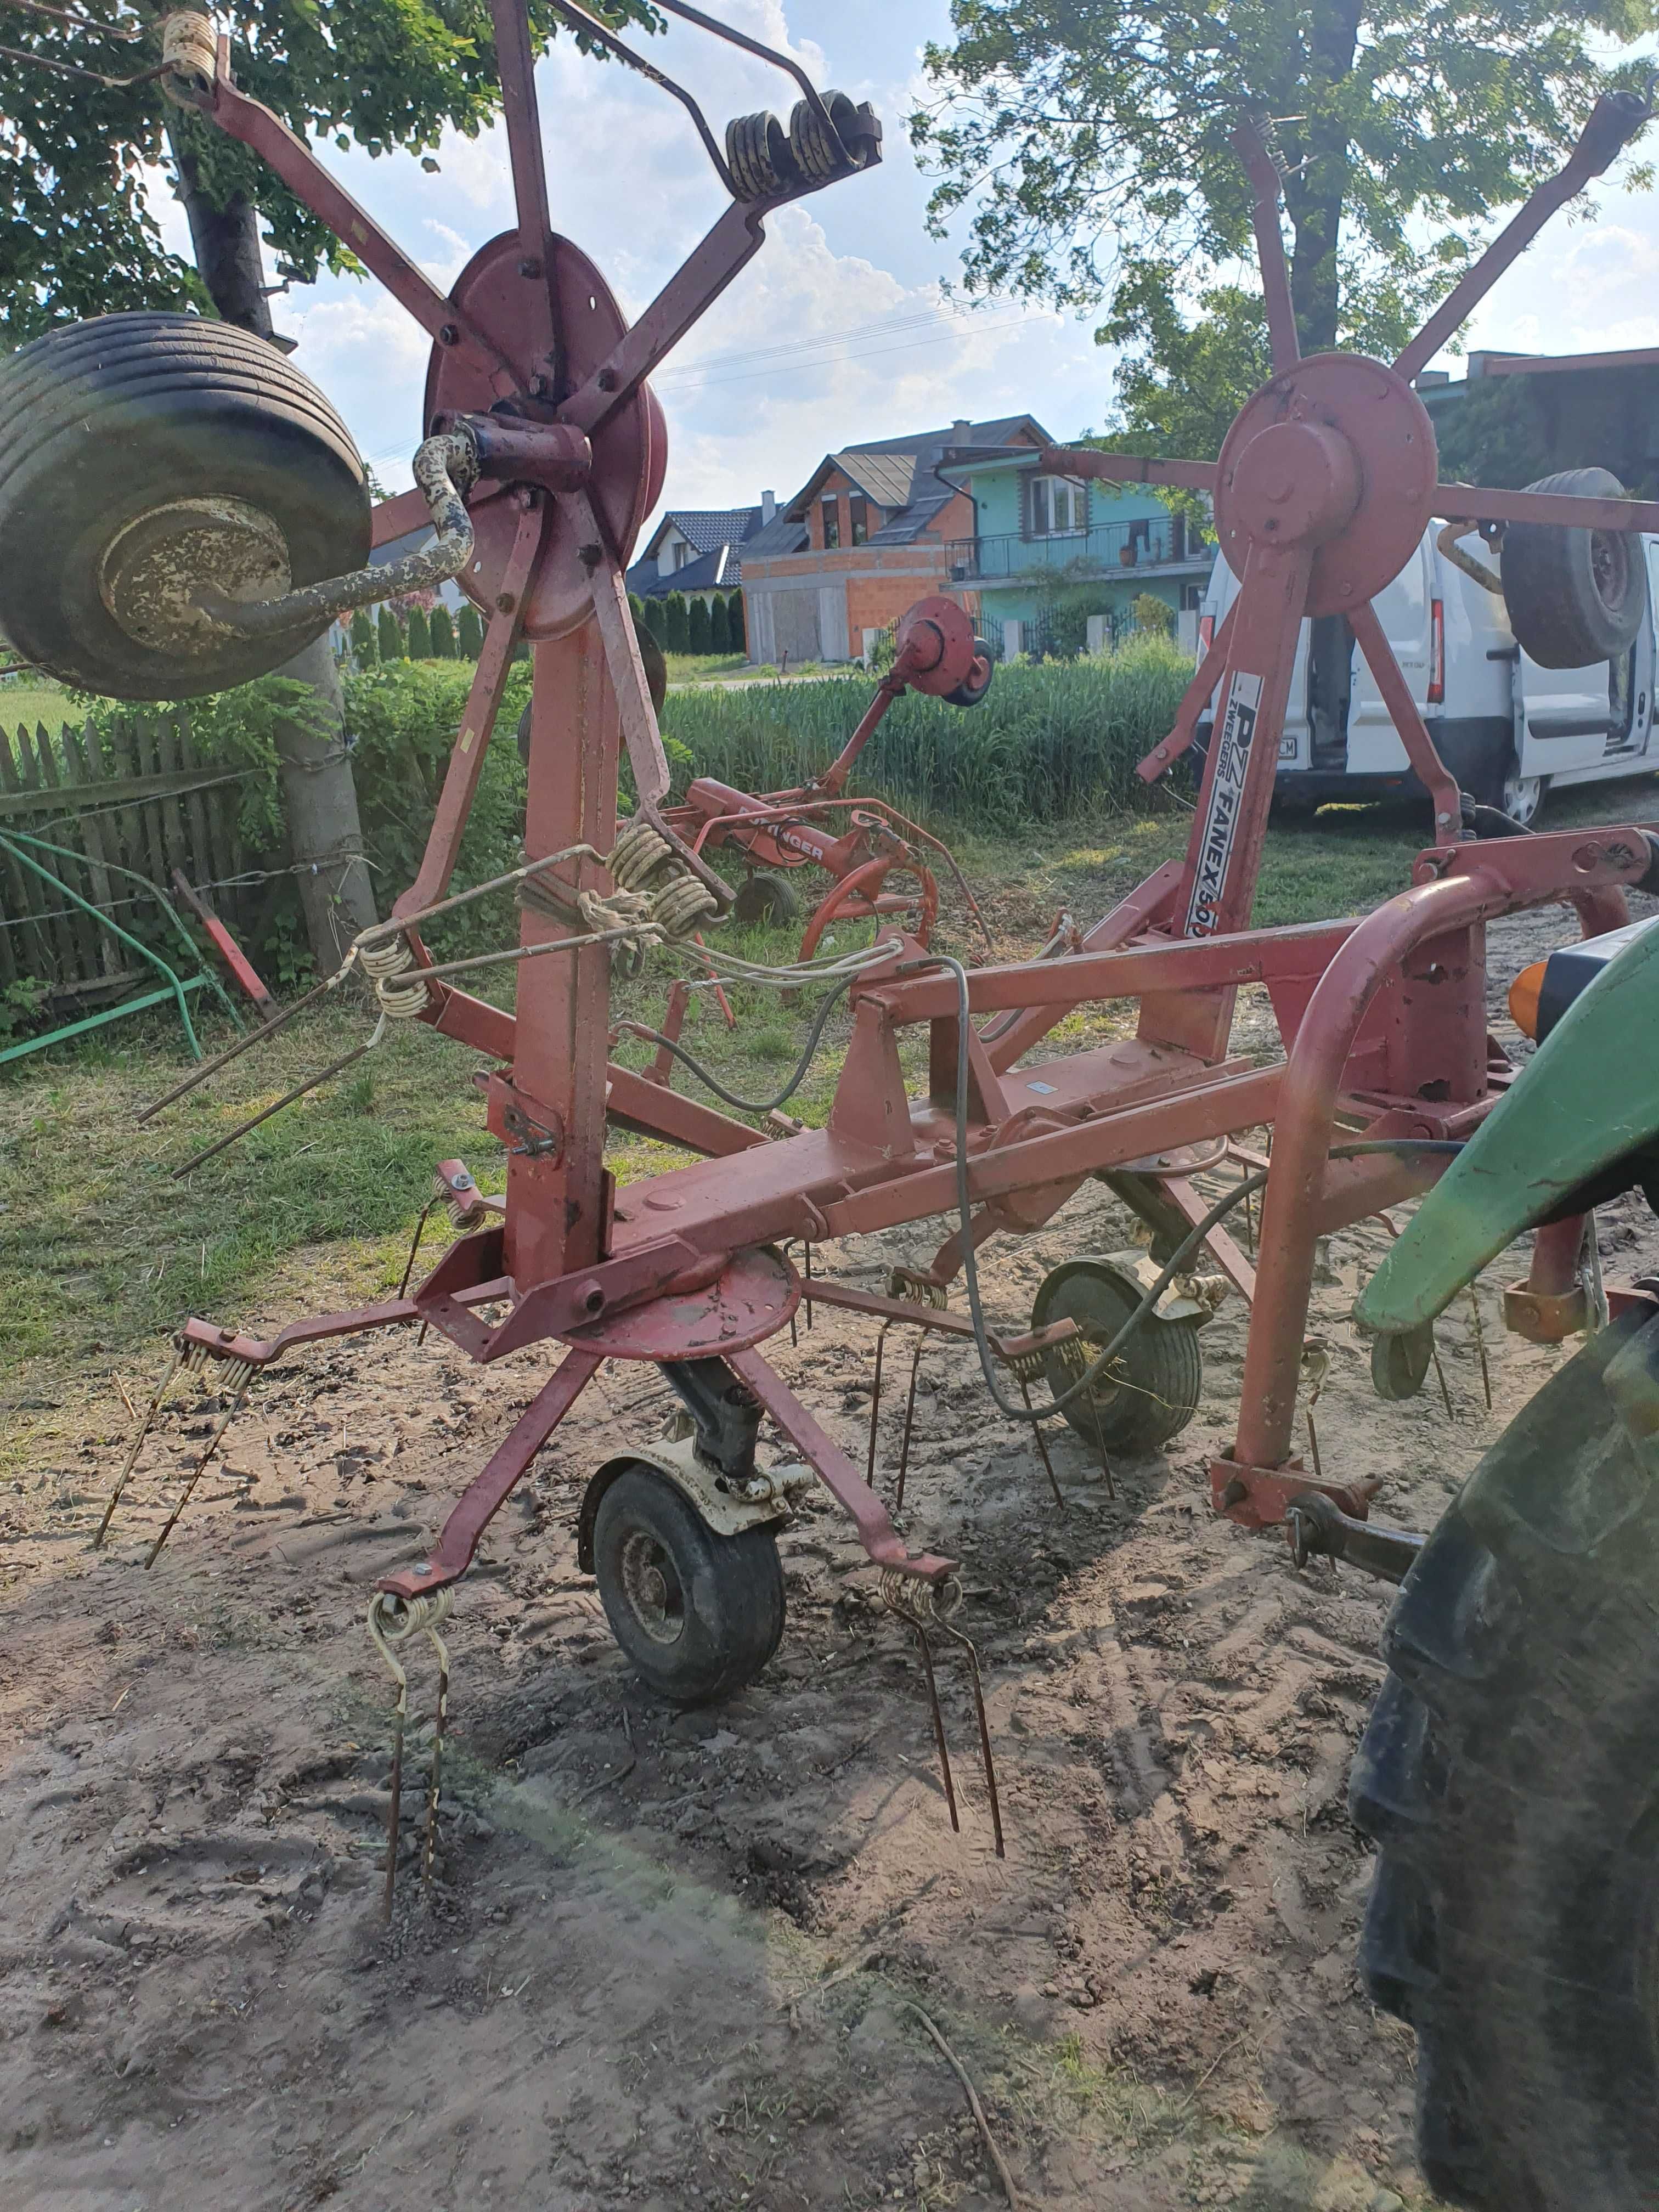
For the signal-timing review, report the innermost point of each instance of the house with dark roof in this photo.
(698, 550)
(865, 537)
(968, 513)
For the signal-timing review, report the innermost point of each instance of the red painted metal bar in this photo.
(1139, 909)
(1194, 700)
(516, 59)
(1172, 963)
(1614, 119)
(484, 1495)
(1127, 468)
(392, 518)
(1500, 877)
(1270, 245)
(649, 1108)
(688, 295)
(1106, 1139)
(235, 959)
(270, 137)
(1397, 695)
(831, 782)
(880, 1539)
(1474, 503)
(483, 701)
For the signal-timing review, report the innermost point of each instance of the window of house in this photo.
(1060, 506)
(831, 524)
(858, 510)
(683, 553)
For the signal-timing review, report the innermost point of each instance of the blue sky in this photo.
(835, 332)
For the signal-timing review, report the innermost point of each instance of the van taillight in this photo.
(1437, 652)
(1206, 632)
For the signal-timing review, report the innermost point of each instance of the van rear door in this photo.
(1403, 610)
(1575, 718)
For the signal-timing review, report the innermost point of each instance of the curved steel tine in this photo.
(1042, 1445)
(785, 61)
(144, 1427)
(399, 1718)
(214, 1441)
(441, 1715)
(607, 37)
(939, 1720)
(875, 1403)
(957, 1636)
(910, 1418)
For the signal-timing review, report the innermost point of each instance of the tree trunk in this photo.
(320, 801)
(1314, 197)
(318, 792)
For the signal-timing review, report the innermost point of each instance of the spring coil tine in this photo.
(820, 153)
(391, 1621)
(759, 157)
(238, 1380)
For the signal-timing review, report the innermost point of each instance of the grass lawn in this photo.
(703, 668)
(103, 1254)
(24, 701)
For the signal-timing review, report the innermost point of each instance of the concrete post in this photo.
(320, 800)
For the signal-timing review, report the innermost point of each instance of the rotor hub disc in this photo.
(152, 569)
(1347, 447)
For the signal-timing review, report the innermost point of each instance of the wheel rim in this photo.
(652, 1587)
(1610, 567)
(1523, 795)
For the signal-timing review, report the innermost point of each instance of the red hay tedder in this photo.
(545, 453)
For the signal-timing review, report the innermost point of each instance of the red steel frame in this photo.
(1323, 487)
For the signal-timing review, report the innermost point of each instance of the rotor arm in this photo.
(1614, 122)
(1259, 168)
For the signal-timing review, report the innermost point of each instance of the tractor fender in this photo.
(1587, 1099)
(715, 1502)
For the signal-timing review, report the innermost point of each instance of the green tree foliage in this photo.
(697, 627)
(1152, 614)
(1088, 140)
(443, 633)
(719, 626)
(677, 637)
(420, 634)
(656, 618)
(79, 233)
(735, 623)
(390, 637)
(468, 634)
(363, 650)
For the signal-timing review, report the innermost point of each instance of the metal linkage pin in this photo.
(391, 1621)
(923, 1605)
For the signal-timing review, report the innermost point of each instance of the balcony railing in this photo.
(1109, 548)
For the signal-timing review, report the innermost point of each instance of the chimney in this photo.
(961, 431)
(769, 506)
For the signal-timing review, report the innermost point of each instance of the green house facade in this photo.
(1057, 564)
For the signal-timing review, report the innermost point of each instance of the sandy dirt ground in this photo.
(674, 1960)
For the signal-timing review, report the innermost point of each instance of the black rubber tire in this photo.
(101, 422)
(1510, 1776)
(1163, 1367)
(766, 897)
(969, 693)
(1400, 1362)
(1574, 595)
(724, 1594)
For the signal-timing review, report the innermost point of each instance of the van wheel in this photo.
(1574, 595)
(1508, 1779)
(1520, 796)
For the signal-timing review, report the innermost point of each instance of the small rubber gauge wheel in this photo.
(1400, 1362)
(766, 898)
(142, 456)
(698, 1614)
(974, 686)
(1159, 1372)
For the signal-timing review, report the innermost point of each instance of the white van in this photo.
(1507, 728)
